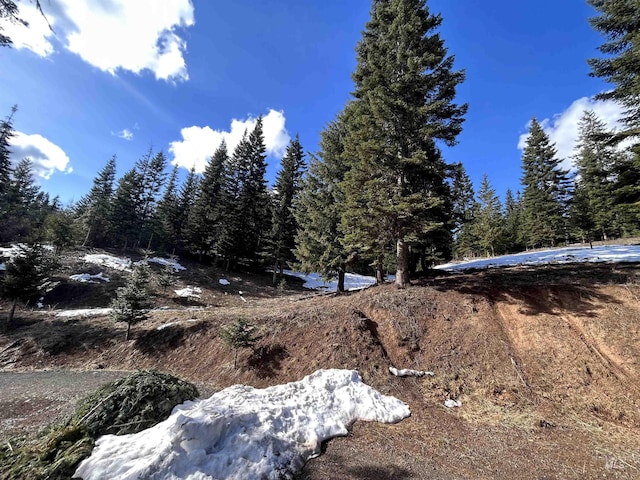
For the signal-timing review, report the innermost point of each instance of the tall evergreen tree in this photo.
(6, 133)
(513, 229)
(185, 202)
(126, 211)
(167, 212)
(151, 171)
(463, 211)
(287, 188)
(619, 22)
(594, 158)
(489, 223)
(404, 90)
(205, 224)
(319, 205)
(94, 209)
(544, 181)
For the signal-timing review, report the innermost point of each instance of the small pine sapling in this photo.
(239, 334)
(132, 301)
(166, 278)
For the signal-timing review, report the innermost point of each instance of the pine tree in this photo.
(619, 22)
(6, 133)
(94, 210)
(544, 190)
(25, 277)
(405, 86)
(132, 301)
(205, 224)
(167, 211)
(463, 211)
(287, 188)
(488, 223)
(239, 334)
(319, 205)
(513, 230)
(152, 177)
(593, 209)
(185, 202)
(126, 210)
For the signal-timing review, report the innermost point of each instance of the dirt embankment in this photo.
(545, 361)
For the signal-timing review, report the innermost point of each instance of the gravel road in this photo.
(31, 400)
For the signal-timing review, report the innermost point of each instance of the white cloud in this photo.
(112, 34)
(126, 134)
(199, 143)
(562, 128)
(47, 157)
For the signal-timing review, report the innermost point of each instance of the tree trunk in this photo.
(341, 275)
(235, 359)
(11, 313)
(380, 270)
(402, 261)
(275, 265)
(128, 331)
(86, 238)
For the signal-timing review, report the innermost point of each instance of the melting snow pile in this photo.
(167, 261)
(352, 281)
(606, 253)
(242, 432)
(87, 278)
(406, 372)
(224, 281)
(110, 261)
(189, 292)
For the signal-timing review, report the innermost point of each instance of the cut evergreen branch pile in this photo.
(128, 405)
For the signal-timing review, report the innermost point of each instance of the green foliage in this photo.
(318, 208)
(27, 275)
(132, 301)
(395, 190)
(167, 277)
(239, 334)
(287, 188)
(126, 406)
(544, 221)
(60, 229)
(488, 222)
(619, 22)
(95, 209)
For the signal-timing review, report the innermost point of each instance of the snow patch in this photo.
(450, 403)
(314, 281)
(84, 312)
(189, 292)
(405, 372)
(167, 262)
(87, 278)
(224, 281)
(605, 253)
(242, 432)
(3, 266)
(117, 263)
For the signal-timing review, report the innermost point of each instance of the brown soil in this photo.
(546, 363)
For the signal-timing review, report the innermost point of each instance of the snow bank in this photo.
(242, 432)
(117, 263)
(84, 312)
(352, 281)
(606, 253)
(189, 292)
(167, 261)
(87, 278)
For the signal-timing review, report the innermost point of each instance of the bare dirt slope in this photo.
(546, 363)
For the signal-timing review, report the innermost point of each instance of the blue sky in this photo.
(129, 76)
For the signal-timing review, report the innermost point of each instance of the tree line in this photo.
(378, 194)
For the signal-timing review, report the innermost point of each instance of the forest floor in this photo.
(545, 361)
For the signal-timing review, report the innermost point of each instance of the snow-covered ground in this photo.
(189, 292)
(352, 281)
(88, 278)
(167, 261)
(244, 433)
(607, 253)
(117, 263)
(84, 312)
